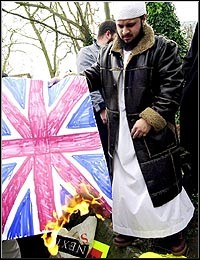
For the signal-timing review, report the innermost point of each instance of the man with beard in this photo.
(141, 78)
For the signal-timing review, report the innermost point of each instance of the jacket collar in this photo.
(96, 44)
(144, 44)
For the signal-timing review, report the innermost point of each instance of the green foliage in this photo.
(163, 19)
(88, 40)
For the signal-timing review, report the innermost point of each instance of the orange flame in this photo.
(83, 202)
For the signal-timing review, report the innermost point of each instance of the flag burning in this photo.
(81, 204)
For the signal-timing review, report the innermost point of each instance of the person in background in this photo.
(141, 77)
(10, 248)
(86, 57)
(189, 114)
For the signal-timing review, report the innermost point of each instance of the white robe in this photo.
(132, 211)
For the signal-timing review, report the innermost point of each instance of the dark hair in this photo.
(107, 26)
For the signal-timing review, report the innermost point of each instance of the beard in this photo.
(130, 45)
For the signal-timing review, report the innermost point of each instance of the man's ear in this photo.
(108, 34)
(144, 19)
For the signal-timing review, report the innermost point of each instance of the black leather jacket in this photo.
(152, 81)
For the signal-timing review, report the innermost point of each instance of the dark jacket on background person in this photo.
(189, 113)
(149, 94)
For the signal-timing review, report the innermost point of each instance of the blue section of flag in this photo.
(83, 117)
(96, 164)
(17, 88)
(23, 218)
(64, 194)
(7, 170)
(55, 90)
(4, 129)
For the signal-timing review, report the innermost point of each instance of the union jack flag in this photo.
(50, 144)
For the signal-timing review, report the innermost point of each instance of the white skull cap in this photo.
(129, 10)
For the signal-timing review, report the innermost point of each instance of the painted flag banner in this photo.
(50, 145)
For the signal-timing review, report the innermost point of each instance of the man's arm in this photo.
(85, 59)
(168, 89)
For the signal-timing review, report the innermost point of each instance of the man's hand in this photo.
(103, 115)
(140, 128)
(53, 81)
(57, 79)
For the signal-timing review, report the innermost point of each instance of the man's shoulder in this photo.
(107, 48)
(89, 48)
(86, 48)
(162, 39)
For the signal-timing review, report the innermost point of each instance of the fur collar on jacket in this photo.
(145, 43)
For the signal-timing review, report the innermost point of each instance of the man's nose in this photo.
(125, 30)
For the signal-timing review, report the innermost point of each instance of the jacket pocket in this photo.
(163, 176)
(158, 142)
